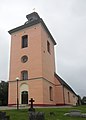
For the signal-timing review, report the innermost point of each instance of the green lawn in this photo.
(59, 113)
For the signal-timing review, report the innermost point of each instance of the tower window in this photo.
(24, 41)
(51, 93)
(24, 75)
(48, 46)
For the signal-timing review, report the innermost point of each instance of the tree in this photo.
(84, 100)
(3, 93)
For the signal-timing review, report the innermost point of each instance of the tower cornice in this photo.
(32, 21)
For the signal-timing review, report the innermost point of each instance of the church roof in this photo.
(64, 83)
(33, 19)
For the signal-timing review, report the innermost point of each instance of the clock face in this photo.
(24, 59)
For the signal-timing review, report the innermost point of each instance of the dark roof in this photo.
(64, 83)
(33, 19)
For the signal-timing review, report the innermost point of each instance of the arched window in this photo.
(24, 75)
(24, 97)
(24, 41)
(51, 93)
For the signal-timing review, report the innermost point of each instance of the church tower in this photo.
(32, 67)
(32, 62)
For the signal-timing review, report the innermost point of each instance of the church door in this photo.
(24, 97)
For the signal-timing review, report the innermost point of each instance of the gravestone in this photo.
(3, 116)
(35, 115)
(84, 115)
(31, 109)
(76, 113)
(40, 116)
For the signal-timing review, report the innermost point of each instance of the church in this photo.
(32, 67)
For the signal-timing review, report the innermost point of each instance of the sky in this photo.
(66, 20)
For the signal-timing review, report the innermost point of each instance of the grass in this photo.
(59, 113)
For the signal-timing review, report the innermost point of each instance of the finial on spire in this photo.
(33, 9)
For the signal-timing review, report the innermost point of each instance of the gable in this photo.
(63, 83)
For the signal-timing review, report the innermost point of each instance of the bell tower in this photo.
(32, 61)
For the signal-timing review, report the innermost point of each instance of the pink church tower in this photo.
(32, 61)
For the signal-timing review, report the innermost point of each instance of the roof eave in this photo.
(31, 24)
(23, 26)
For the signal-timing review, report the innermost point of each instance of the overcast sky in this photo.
(66, 20)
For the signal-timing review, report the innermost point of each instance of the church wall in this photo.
(36, 90)
(48, 63)
(33, 51)
(57, 83)
(58, 92)
(34, 87)
(12, 95)
(70, 97)
(46, 93)
(35, 56)
(59, 95)
(64, 95)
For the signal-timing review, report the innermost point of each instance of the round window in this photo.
(24, 59)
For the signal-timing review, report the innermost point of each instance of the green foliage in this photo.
(58, 113)
(3, 93)
(84, 100)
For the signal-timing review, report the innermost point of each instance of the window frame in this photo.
(51, 93)
(48, 47)
(68, 97)
(24, 43)
(24, 75)
(24, 58)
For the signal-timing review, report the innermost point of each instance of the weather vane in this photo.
(33, 9)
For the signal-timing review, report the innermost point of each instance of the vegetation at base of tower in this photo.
(58, 113)
(3, 93)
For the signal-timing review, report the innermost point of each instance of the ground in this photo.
(22, 114)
